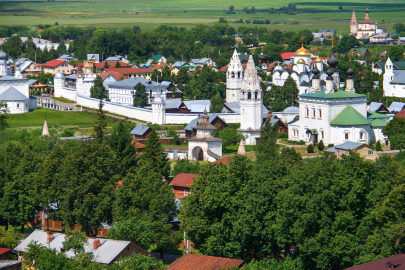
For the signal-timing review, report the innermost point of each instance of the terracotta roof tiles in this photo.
(202, 262)
(183, 179)
(54, 63)
(226, 160)
(397, 262)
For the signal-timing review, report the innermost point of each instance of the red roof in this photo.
(401, 114)
(4, 250)
(54, 63)
(272, 65)
(223, 69)
(226, 160)
(202, 262)
(112, 64)
(115, 74)
(287, 55)
(183, 179)
(397, 262)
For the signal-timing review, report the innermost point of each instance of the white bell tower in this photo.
(59, 83)
(251, 104)
(234, 78)
(388, 77)
(159, 110)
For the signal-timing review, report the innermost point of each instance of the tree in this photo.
(3, 115)
(282, 97)
(101, 123)
(185, 166)
(321, 146)
(118, 64)
(106, 64)
(273, 264)
(120, 141)
(267, 148)
(172, 133)
(9, 238)
(397, 141)
(137, 262)
(136, 30)
(310, 148)
(230, 136)
(217, 104)
(75, 242)
(140, 96)
(231, 8)
(394, 127)
(98, 90)
(396, 53)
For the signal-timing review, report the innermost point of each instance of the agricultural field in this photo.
(150, 14)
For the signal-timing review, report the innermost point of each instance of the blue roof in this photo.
(396, 106)
(375, 106)
(348, 145)
(196, 121)
(12, 94)
(292, 109)
(140, 130)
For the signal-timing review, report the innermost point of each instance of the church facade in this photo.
(393, 80)
(14, 90)
(365, 28)
(332, 115)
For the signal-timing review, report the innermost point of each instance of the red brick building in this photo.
(181, 184)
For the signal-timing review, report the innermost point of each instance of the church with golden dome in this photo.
(301, 70)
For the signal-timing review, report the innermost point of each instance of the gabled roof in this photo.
(197, 106)
(183, 179)
(12, 94)
(115, 74)
(25, 65)
(54, 63)
(349, 117)
(287, 55)
(378, 123)
(226, 160)
(193, 123)
(348, 145)
(374, 115)
(399, 77)
(105, 253)
(173, 103)
(397, 261)
(401, 114)
(203, 262)
(4, 250)
(396, 106)
(361, 51)
(140, 130)
(376, 106)
(111, 64)
(157, 57)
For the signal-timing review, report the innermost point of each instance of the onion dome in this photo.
(3, 55)
(333, 61)
(318, 60)
(302, 52)
(59, 76)
(350, 71)
(315, 70)
(301, 61)
(329, 72)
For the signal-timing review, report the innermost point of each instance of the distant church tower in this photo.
(388, 76)
(251, 104)
(159, 110)
(234, 78)
(353, 24)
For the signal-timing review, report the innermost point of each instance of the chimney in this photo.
(49, 236)
(380, 100)
(269, 115)
(96, 244)
(195, 98)
(199, 116)
(400, 100)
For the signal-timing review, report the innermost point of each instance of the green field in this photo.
(54, 118)
(150, 14)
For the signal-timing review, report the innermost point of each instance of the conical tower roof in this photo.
(354, 19)
(235, 63)
(251, 81)
(241, 149)
(45, 131)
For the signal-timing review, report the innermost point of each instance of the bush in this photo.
(301, 142)
(397, 141)
(68, 133)
(378, 146)
(56, 23)
(282, 135)
(321, 146)
(331, 145)
(310, 149)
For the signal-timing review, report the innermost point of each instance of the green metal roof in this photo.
(378, 123)
(244, 57)
(362, 51)
(337, 94)
(349, 117)
(399, 64)
(374, 115)
(157, 57)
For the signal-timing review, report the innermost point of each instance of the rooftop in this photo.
(349, 117)
(337, 94)
(140, 130)
(202, 262)
(397, 262)
(183, 179)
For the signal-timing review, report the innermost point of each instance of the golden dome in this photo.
(302, 52)
(301, 61)
(318, 60)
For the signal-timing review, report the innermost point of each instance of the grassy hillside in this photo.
(150, 14)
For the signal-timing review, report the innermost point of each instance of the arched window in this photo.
(238, 74)
(249, 95)
(256, 95)
(233, 74)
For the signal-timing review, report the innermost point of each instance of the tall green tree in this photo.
(98, 90)
(140, 96)
(75, 241)
(217, 104)
(101, 124)
(3, 115)
(118, 64)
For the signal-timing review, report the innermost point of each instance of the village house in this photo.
(364, 150)
(360, 52)
(378, 107)
(141, 132)
(159, 58)
(181, 184)
(37, 87)
(58, 66)
(103, 251)
(29, 67)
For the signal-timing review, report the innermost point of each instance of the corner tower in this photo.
(234, 78)
(251, 104)
(353, 24)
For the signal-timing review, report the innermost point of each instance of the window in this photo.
(346, 136)
(18, 105)
(186, 192)
(320, 113)
(249, 95)
(361, 135)
(370, 152)
(313, 113)
(338, 152)
(322, 135)
(306, 112)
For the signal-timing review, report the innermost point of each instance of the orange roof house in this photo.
(181, 184)
(58, 66)
(202, 262)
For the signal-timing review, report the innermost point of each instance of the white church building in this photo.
(393, 81)
(14, 90)
(332, 115)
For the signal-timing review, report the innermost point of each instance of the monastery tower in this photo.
(353, 24)
(234, 78)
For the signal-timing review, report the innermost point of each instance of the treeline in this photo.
(175, 43)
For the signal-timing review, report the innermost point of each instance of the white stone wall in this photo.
(338, 134)
(215, 147)
(251, 137)
(16, 107)
(251, 111)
